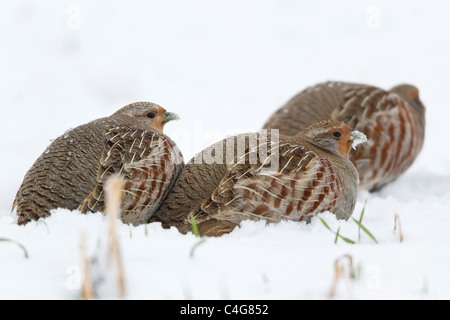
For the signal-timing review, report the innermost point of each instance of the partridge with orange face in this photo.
(71, 173)
(394, 122)
(265, 177)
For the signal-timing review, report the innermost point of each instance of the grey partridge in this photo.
(394, 122)
(265, 176)
(72, 171)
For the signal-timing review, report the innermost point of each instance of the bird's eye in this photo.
(337, 134)
(151, 115)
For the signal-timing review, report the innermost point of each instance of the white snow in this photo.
(224, 67)
(358, 138)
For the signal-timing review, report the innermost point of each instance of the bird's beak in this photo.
(169, 117)
(357, 138)
(349, 146)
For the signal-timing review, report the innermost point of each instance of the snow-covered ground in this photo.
(224, 66)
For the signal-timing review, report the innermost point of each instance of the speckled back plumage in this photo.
(394, 122)
(308, 179)
(71, 172)
(62, 176)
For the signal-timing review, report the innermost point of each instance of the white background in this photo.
(224, 67)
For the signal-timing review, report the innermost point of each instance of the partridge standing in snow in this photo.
(269, 177)
(394, 122)
(71, 173)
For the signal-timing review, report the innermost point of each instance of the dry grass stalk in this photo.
(114, 194)
(398, 225)
(87, 290)
(343, 270)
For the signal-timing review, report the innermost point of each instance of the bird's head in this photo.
(334, 135)
(148, 114)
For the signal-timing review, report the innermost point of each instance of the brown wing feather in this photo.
(312, 105)
(149, 162)
(392, 127)
(305, 185)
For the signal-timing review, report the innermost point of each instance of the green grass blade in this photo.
(197, 234)
(326, 225)
(347, 240)
(42, 221)
(25, 252)
(337, 235)
(365, 230)
(195, 246)
(360, 220)
(194, 228)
